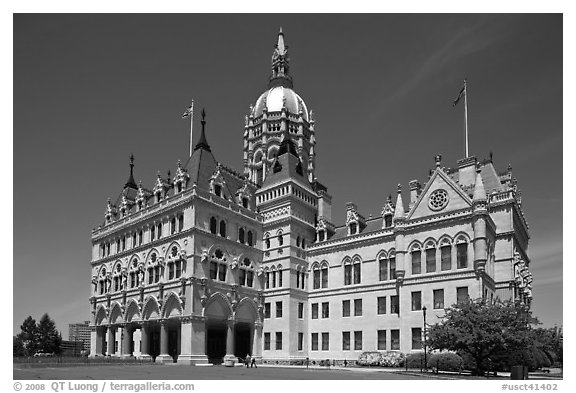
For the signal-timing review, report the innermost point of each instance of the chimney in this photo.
(467, 171)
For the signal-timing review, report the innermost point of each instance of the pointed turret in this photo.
(280, 64)
(479, 191)
(202, 142)
(131, 183)
(399, 209)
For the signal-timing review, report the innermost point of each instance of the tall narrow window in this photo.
(325, 310)
(241, 235)
(348, 274)
(416, 301)
(345, 308)
(213, 225)
(218, 190)
(314, 310)
(223, 228)
(181, 223)
(381, 339)
(353, 228)
(213, 270)
(266, 341)
(462, 255)
(357, 272)
(278, 309)
(345, 341)
(430, 260)
(392, 264)
(300, 341)
(395, 339)
(173, 226)
(358, 341)
(357, 307)
(417, 338)
(267, 242)
(266, 310)
(222, 272)
(250, 239)
(159, 230)
(300, 310)
(280, 276)
(140, 237)
(324, 273)
(382, 305)
(416, 261)
(383, 269)
(445, 257)
(461, 294)
(134, 240)
(280, 240)
(394, 305)
(388, 220)
(314, 341)
(316, 275)
(325, 341)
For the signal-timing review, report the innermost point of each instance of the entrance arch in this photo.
(245, 316)
(217, 313)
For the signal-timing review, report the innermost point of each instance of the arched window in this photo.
(462, 253)
(245, 202)
(134, 240)
(352, 272)
(383, 268)
(324, 274)
(416, 255)
(181, 223)
(387, 220)
(250, 239)
(280, 239)
(280, 274)
(430, 257)
(218, 266)
(241, 235)
(152, 232)
(159, 230)
(134, 274)
(213, 225)
(353, 228)
(140, 237)
(321, 235)
(303, 243)
(445, 255)
(173, 226)
(223, 228)
(267, 241)
(316, 277)
(298, 241)
(246, 273)
(218, 190)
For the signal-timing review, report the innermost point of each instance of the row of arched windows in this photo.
(219, 269)
(136, 238)
(245, 236)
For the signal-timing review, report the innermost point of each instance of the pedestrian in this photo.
(253, 363)
(247, 360)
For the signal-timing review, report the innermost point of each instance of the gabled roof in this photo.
(287, 166)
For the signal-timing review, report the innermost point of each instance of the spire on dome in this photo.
(280, 65)
(131, 183)
(399, 209)
(202, 142)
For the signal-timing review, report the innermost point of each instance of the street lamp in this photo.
(425, 353)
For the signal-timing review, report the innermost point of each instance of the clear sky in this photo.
(89, 90)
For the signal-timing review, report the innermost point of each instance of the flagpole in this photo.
(466, 116)
(191, 124)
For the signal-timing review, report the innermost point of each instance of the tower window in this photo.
(173, 226)
(250, 239)
(213, 224)
(180, 223)
(241, 235)
(223, 228)
(280, 240)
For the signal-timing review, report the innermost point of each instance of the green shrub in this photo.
(415, 360)
(445, 361)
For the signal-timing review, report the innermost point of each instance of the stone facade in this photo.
(210, 265)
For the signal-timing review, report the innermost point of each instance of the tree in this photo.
(49, 338)
(17, 347)
(29, 336)
(483, 330)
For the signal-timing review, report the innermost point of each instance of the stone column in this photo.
(126, 341)
(110, 341)
(193, 341)
(164, 357)
(95, 339)
(145, 345)
(230, 341)
(257, 341)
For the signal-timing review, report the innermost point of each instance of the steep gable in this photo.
(452, 198)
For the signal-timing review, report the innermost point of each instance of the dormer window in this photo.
(388, 220)
(158, 197)
(245, 203)
(218, 190)
(321, 235)
(353, 228)
(179, 187)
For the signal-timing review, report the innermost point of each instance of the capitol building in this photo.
(211, 264)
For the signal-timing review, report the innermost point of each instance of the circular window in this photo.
(438, 200)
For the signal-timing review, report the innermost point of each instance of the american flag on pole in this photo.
(460, 95)
(189, 111)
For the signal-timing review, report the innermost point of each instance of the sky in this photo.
(89, 90)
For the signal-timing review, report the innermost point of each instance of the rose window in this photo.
(438, 200)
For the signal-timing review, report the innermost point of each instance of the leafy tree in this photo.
(49, 338)
(29, 336)
(18, 347)
(483, 330)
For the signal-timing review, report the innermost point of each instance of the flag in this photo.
(188, 112)
(462, 92)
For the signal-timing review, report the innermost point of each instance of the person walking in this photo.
(247, 360)
(253, 363)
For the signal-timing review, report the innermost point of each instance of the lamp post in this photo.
(425, 353)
